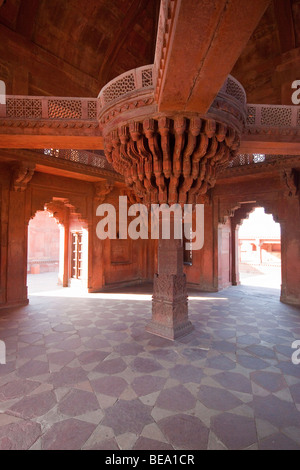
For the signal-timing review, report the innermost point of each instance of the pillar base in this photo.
(170, 332)
(169, 307)
(14, 304)
(290, 300)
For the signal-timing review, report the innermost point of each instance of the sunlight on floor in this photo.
(45, 285)
(271, 278)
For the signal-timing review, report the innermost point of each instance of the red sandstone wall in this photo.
(201, 273)
(111, 262)
(117, 262)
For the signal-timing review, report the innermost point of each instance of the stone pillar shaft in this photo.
(169, 301)
(235, 253)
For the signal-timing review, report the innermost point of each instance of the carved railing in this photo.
(91, 158)
(131, 81)
(257, 159)
(267, 115)
(234, 89)
(49, 108)
(162, 41)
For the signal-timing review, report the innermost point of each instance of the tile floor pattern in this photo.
(82, 373)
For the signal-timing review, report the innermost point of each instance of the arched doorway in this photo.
(57, 248)
(43, 252)
(259, 250)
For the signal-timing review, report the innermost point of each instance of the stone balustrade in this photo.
(267, 115)
(48, 108)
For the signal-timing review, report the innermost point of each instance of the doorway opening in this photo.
(43, 252)
(57, 248)
(259, 242)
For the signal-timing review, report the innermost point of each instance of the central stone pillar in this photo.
(169, 301)
(168, 159)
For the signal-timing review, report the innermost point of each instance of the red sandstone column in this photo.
(235, 253)
(169, 301)
(66, 249)
(290, 252)
(16, 289)
(63, 277)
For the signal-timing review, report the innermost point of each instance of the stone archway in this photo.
(256, 245)
(70, 221)
(43, 247)
(236, 212)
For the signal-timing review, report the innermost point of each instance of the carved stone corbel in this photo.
(57, 210)
(21, 176)
(289, 179)
(227, 210)
(102, 189)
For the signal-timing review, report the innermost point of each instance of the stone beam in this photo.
(285, 23)
(75, 164)
(270, 144)
(198, 44)
(50, 140)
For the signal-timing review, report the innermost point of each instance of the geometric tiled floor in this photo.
(82, 373)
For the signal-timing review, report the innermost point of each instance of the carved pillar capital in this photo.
(171, 159)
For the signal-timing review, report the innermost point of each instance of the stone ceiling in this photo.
(100, 38)
(258, 68)
(73, 48)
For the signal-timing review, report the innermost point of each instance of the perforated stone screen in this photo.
(272, 116)
(235, 90)
(64, 109)
(119, 88)
(23, 108)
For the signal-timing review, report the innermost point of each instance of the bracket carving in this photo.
(288, 177)
(21, 176)
(103, 189)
